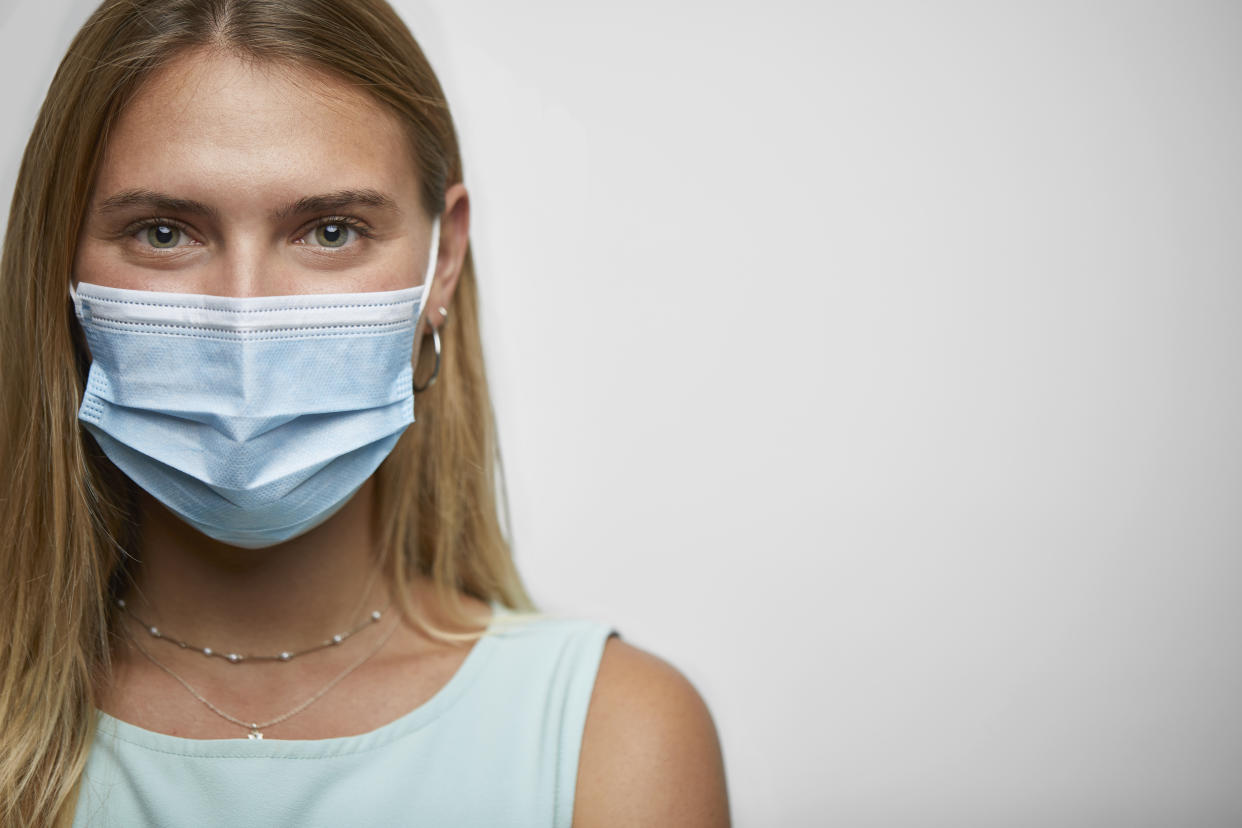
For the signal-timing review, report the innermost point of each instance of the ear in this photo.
(454, 239)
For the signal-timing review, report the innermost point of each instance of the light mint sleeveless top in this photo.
(498, 745)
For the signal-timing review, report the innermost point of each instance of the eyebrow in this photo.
(321, 203)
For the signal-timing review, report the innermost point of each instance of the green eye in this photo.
(332, 235)
(163, 235)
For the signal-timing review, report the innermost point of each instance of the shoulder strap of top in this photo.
(549, 665)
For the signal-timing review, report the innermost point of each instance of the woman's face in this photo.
(234, 179)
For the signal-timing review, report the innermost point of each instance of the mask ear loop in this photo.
(435, 341)
(427, 281)
(83, 311)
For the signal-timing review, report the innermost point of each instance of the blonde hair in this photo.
(68, 515)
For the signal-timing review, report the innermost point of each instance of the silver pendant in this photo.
(254, 734)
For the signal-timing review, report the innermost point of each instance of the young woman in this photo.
(249, 580)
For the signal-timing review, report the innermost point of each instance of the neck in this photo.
(260, 601)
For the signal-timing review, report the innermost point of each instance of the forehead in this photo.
(209, 121)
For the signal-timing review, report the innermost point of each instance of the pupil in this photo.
(332, 233)
(163, 235)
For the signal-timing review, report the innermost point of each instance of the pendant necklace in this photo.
(256, 728)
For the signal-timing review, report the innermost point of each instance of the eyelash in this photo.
(356, 225)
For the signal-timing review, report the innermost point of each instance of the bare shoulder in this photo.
(650, 751)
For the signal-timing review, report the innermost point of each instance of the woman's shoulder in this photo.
(650, 751)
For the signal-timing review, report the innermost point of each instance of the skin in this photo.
(235, 145)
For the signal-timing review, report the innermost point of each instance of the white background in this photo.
(876, 364)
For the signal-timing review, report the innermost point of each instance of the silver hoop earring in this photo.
(435, 372)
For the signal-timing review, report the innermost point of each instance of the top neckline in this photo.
(243, 748)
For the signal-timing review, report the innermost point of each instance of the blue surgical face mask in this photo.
(252, 419)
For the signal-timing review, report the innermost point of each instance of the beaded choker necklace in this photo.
(237, 658)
